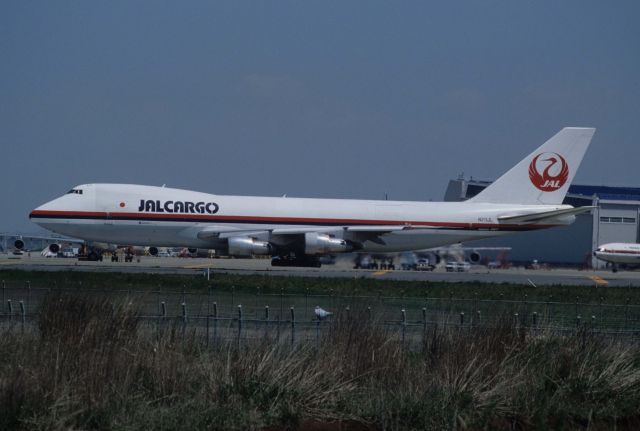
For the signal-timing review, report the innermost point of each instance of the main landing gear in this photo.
(300, 261)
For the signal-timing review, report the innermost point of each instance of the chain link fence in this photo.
(222, 316)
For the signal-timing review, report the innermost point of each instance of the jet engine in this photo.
(18, 244)
(153, 251)
(474, 257)
(246, 246)
(320, 243)
(54, 248)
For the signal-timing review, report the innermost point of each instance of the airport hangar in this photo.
(615, 220)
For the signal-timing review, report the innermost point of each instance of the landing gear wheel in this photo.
(303, 261)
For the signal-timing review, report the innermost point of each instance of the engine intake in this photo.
(19, 244)
(54, 248)
(246, 246)
(475, 257)
(153, 251)
(320, 243)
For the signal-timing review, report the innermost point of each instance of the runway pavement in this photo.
(186, 266)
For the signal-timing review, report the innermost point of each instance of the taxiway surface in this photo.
(190, 266)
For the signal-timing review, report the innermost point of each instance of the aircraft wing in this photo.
(221, 232)
(543, 216)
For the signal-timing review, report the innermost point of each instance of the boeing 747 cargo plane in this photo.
(297, 231)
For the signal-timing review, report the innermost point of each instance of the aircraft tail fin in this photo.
(544, 176)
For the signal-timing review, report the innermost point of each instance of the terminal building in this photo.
(615, 220)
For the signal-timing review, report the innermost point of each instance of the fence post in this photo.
(255, 308)
(369, 314)
(601, 315)
(208, 311)
(10, 308)
(215, 321)
(162, 313)
(318, 332)
(4, 287)
(293, 327)
(348, 312)
(28, 296)
(450, 301)
(22, 314)
(331, 300)
(461, 318)
(593, 323)
(626, 313)
(404, 324)
(535, 319)
(515, 320)
(184, 320)
(477, 317)
(578, 320)
(239, 322)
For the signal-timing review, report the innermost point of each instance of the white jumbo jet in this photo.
(617, 253)
(297, 231)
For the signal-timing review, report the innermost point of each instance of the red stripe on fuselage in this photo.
(621, 251)
(266, 219)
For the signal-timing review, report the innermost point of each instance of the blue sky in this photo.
(317, 99)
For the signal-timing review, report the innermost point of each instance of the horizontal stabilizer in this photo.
(543, 216)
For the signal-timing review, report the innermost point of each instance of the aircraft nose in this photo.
(42, 211)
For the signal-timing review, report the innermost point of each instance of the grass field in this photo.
(90, 365)
(89, 360)
(267, 284)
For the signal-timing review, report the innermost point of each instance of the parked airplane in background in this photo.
(617, 253)
(297, 231)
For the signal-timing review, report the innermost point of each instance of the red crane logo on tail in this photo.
(555, 171)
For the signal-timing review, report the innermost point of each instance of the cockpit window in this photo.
(75, 191)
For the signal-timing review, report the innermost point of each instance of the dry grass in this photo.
(90, 365)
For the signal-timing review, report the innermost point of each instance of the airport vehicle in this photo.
(455, 266)
(297, 231)
(424, 265)
(619, 253)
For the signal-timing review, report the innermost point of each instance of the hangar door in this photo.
(617, 225)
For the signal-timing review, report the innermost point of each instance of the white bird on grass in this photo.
(322, 313)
